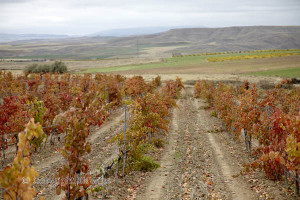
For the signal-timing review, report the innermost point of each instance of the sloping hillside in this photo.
(223, 39)
(186, 40)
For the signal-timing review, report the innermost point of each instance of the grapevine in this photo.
(17, 179)
(271, 117)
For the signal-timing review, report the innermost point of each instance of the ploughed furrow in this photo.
(191, 176)
(227, 183)
(195, 164)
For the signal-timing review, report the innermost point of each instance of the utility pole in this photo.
(137, 47)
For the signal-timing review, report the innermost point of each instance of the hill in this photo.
(5, 37)
(186, 40)
(223, 39)
(131, 31)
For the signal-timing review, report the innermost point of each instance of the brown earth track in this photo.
(228, 167)
(202, 161)
(193, 173)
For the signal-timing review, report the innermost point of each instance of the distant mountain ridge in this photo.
(135, 31)
(124, 32)
(131, 31)
(183, 40)
(5, 37)
(223, 39)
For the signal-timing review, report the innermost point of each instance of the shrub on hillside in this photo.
(57, 67)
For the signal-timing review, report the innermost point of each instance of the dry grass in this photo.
(78, 65)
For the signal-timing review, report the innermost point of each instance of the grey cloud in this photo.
(14, 1)
(83, 17)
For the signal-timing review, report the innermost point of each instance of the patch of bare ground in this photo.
(154, 52)
(194, 175)
(227, 166)
(191, 79)
(74, 65)
(200, 161)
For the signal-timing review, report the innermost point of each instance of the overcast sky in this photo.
(79, 17)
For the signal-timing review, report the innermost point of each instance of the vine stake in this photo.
(124, 159)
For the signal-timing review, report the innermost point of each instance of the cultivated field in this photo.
(286, 66)
(194, 150)
(200, 130)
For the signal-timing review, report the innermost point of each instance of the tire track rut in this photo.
(194, 164)
(227, 165)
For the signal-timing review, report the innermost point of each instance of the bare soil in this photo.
(201, 160)
(198, 170)
(190, 79)
(78, 65)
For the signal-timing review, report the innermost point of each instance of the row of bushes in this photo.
(244, 57)
(235, 52)
(56, 67)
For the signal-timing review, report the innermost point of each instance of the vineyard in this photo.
(111, 137)
(37, 108)
(269, 120)
(238, 52)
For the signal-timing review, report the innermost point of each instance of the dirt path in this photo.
(194, 165)
(157, 183)
(238, 188)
